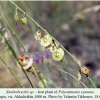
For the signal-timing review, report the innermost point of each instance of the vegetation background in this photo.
(78, 32)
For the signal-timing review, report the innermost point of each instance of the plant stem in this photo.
(73, 77)
(52, 38)
(13, 33)
(18, 81)
(3, 84)
(47, 32)
(39, 74)
(14, 54)
(51, 82)
(91, 82)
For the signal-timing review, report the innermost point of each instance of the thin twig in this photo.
(14, 54)
(14, 75)
(13, 33)
(91, 82)
(3, 84)
(52, 38)
(93, 8)
(73, 77)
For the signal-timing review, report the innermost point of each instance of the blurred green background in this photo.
(77, 32)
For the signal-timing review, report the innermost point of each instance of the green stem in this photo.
(39, 73)
(40, 76)
(47, 32)
(91, 82)
(14, 54)
(52, 37)
(13, 33)
(73, 77)
(18, 81)
(3, 84)
(51, 82)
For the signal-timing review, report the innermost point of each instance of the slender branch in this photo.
(46, 32)
(93, 8)
(3, 84)
(18, 81)
(52, 38)
(14, 54)
(13, 33)
(40, 76)
(91, 82)
(50, 81)
(73, 77)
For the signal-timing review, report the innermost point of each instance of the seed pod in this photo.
(51, 47)
(78, 77)
(84, 70)
(24, 20)
(38, 35)
(54, 45)
(58, 54)
(46, 40)
(16, 16)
